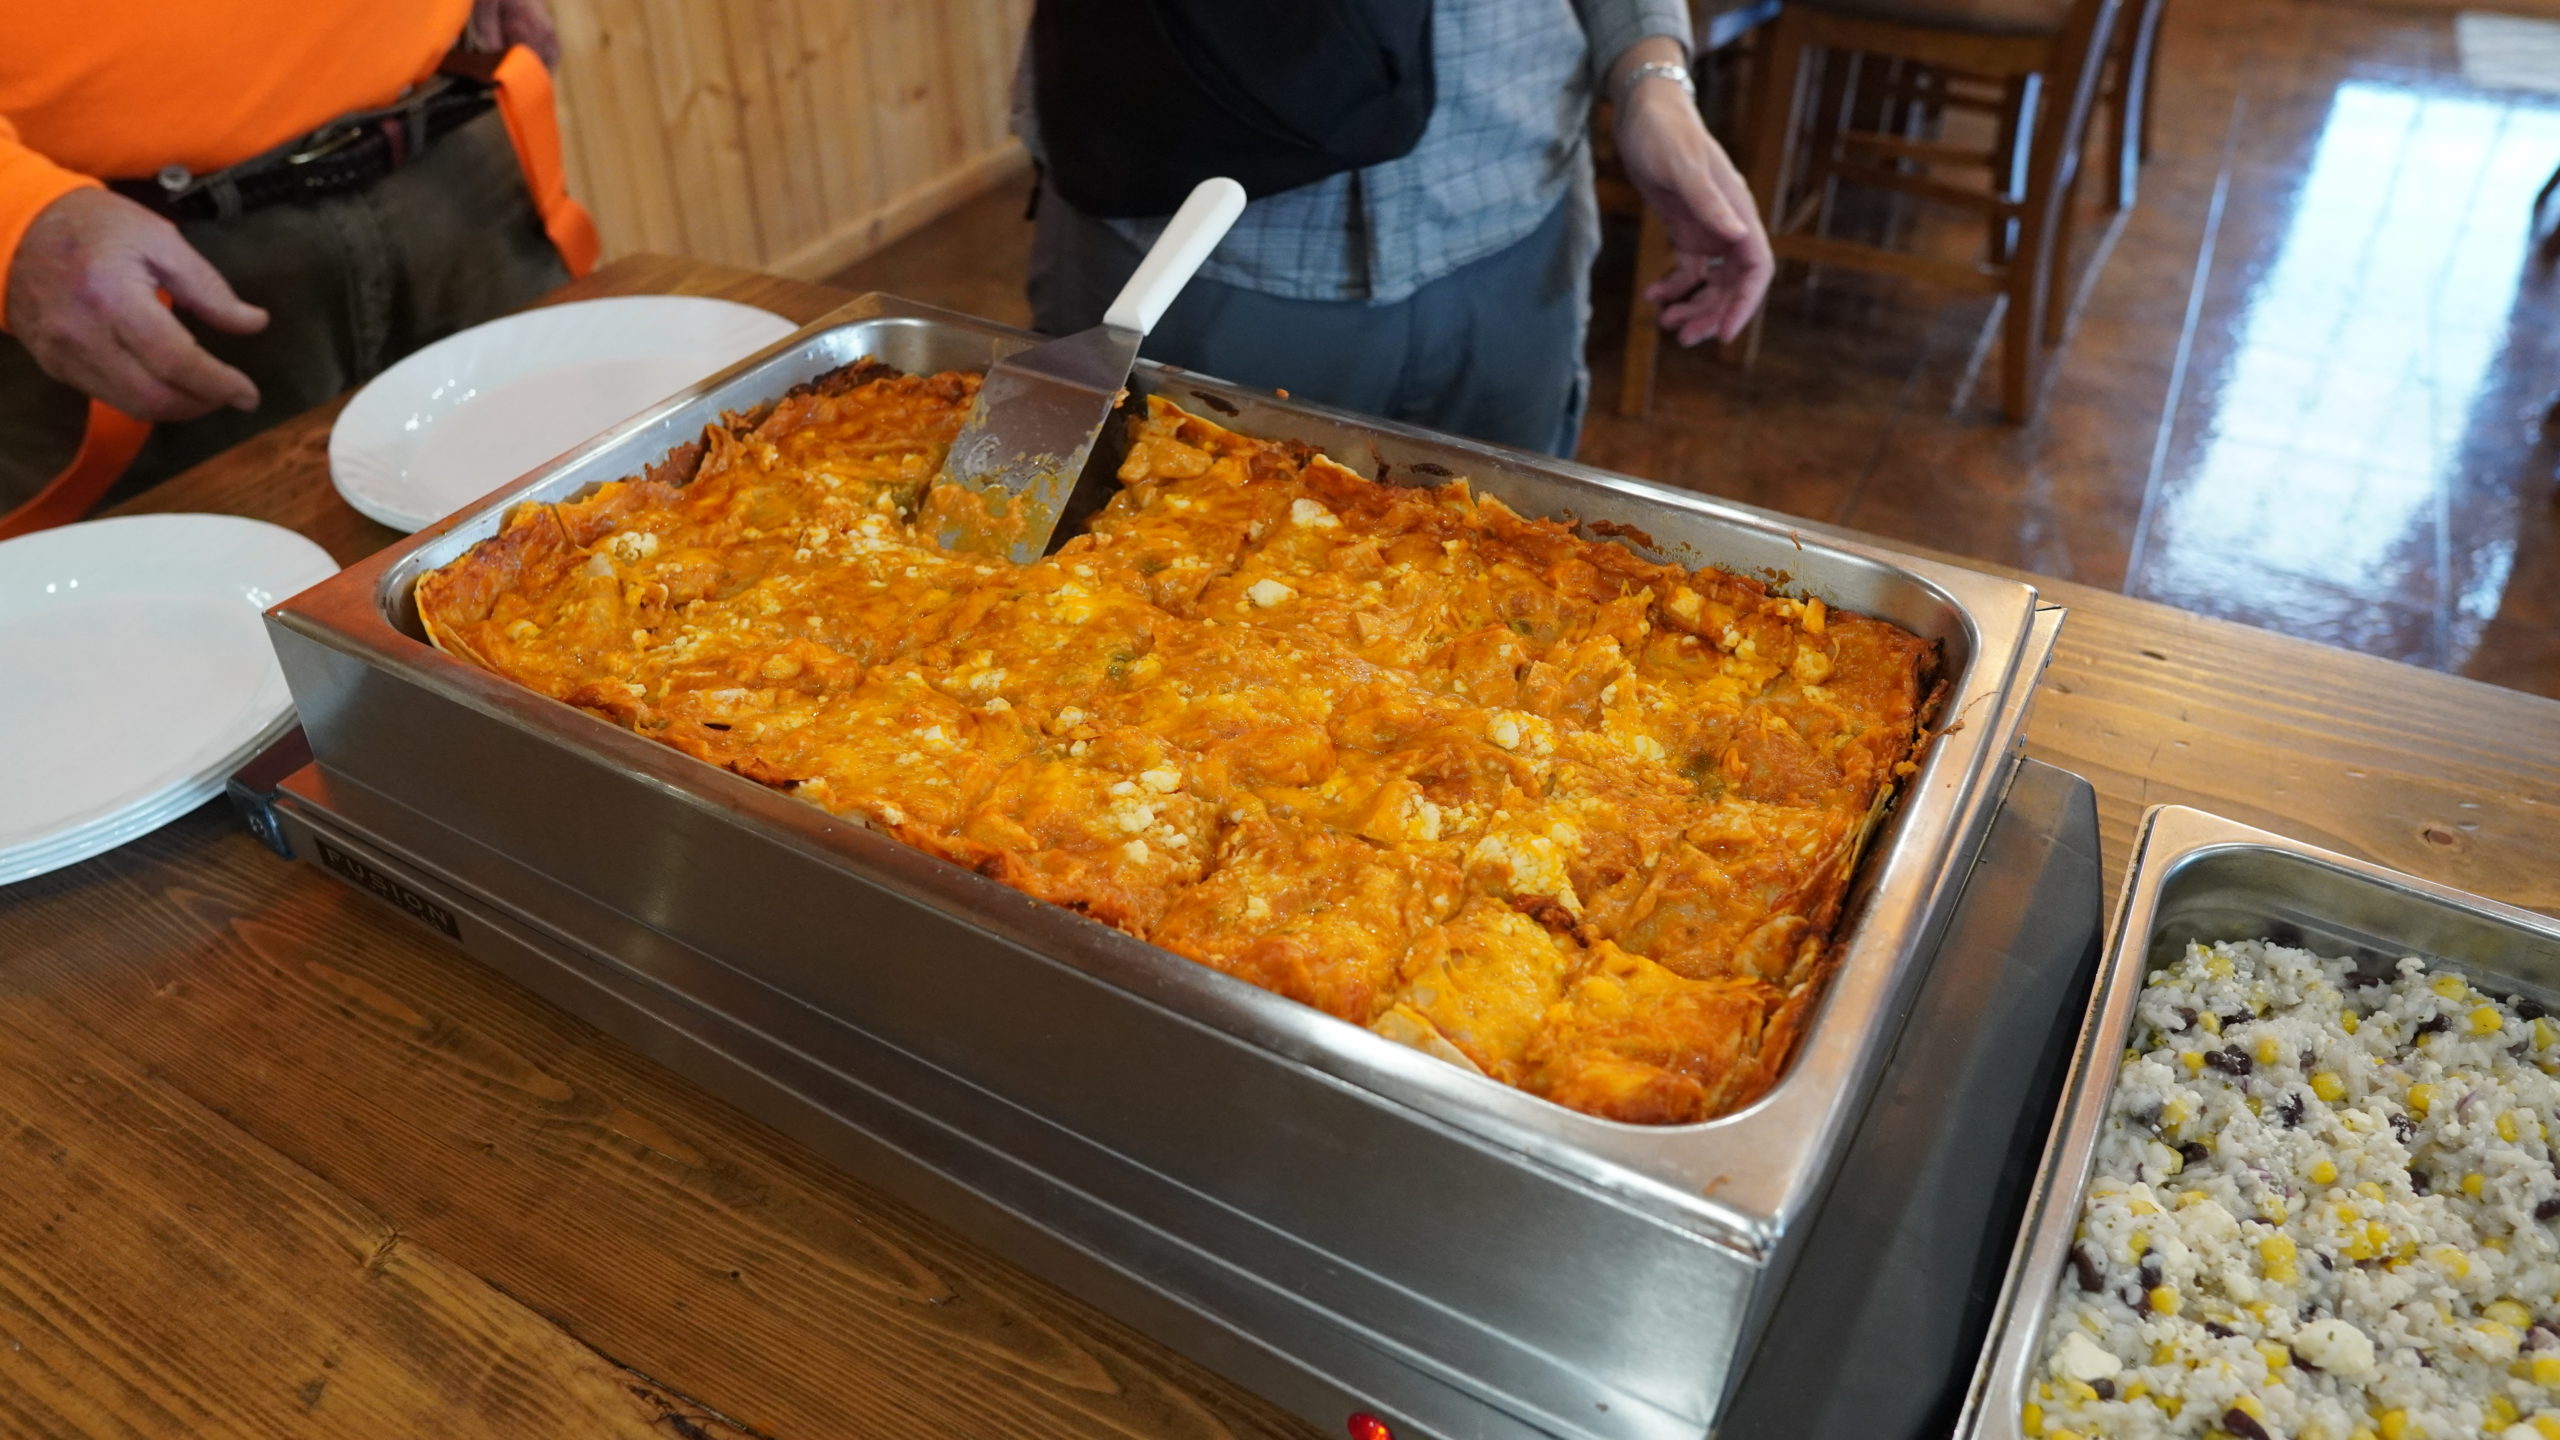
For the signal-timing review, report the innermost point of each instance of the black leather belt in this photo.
(345, 155)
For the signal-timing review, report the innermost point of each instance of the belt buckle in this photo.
(325, 142)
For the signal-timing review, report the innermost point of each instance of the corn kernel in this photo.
(2546, 1371)
(2324, 1173)
(2277, 1254)
(2248, 1405)
(2193, 1060)
(2132, 1390)
(2349, 1023)
(2328, 1086)
(2473, 1183)
(2449, 986)
(2063, 1435)
(2422, 1098)
(2372, 1190)
(2497, 1331)
(2362, 1432)
(2485, 1020)
(2453, 1262)
(2545, 1034)
(2394, 1424)
(2277, 1356)
(2507, 1127)
(2162, 1352)
(2508, 1313)
(2546, 1425)
(2268, 1050)
(2210, 1022)
(2080, 1392)
(2164, 1300)
(2169, 1404)
(2502, 1410)
(2031, 1418)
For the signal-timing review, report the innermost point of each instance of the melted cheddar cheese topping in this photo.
(1520, 799)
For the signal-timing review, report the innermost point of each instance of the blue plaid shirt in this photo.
(1509, 137)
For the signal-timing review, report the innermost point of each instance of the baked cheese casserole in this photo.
(1523, 800)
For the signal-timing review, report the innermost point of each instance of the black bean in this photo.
(2431, 1025)
(2310, 1057)
(2540, 1337)
(2106, 1388)
(2326, 1262)
(2218, 1330)
(2529, 1009)
(2426, 1360)
(2289, 1109)
(2194, 1152)
(2404, 1127)
(2085, 1266)
(2230, 1060)
(2297, 1355)
(2419, 1182)
(2133, 1296)
(2241, 1423)
(2547, 1209)
(2237, 1017)
(2149, 1271)
(2186, 1018)
(2363, 980)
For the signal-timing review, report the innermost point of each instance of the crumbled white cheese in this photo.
(2337, 1347)
(2080, 1358)
(1312, 514)
(1267, 593)
(1161, 779)
(1136, 852)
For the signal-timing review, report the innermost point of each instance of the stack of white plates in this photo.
(135, 674)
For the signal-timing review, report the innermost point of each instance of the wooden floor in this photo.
(2303, 387)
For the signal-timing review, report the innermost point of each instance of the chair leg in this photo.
(1644, 332)
(1779, 87)
(2066, 226)
(2061, 129)
(2010, 177)
(2129, 108)
(2150, 77)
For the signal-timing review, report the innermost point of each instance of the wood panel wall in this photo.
(788, 135)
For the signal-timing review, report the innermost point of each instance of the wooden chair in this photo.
(2036, 63)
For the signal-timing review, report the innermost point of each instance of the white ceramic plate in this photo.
(475, 410)
(138, 674)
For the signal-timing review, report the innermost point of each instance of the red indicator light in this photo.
(1365, 1426)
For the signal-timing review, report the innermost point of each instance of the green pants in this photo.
(350, 283)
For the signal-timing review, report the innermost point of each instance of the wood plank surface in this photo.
(283, 1167)
(790, 134)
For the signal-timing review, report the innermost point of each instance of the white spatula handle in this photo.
(1194, 231)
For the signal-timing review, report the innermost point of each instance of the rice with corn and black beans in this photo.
(2322, 1209)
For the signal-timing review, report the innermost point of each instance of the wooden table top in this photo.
(280, 1165)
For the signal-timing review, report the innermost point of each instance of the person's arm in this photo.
(81, 272)
(1720, 265)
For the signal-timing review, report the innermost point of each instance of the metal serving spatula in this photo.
(1033, 425)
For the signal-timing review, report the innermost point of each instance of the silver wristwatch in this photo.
(1672, 71)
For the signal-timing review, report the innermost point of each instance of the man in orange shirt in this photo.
(213, 217)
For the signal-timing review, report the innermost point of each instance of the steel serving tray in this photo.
(1635, 1262)
(2196, 877)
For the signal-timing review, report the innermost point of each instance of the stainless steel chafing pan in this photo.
(2196, 877)
(1612, 1274)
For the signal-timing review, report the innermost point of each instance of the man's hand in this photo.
(1721, 265)
(497, 24)
(82, 300)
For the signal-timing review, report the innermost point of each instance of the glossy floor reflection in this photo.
(2303, 388)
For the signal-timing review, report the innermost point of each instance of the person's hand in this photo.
(1720, 266)
(83, 300)
(498, 24)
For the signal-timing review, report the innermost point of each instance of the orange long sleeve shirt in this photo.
(93, 89)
